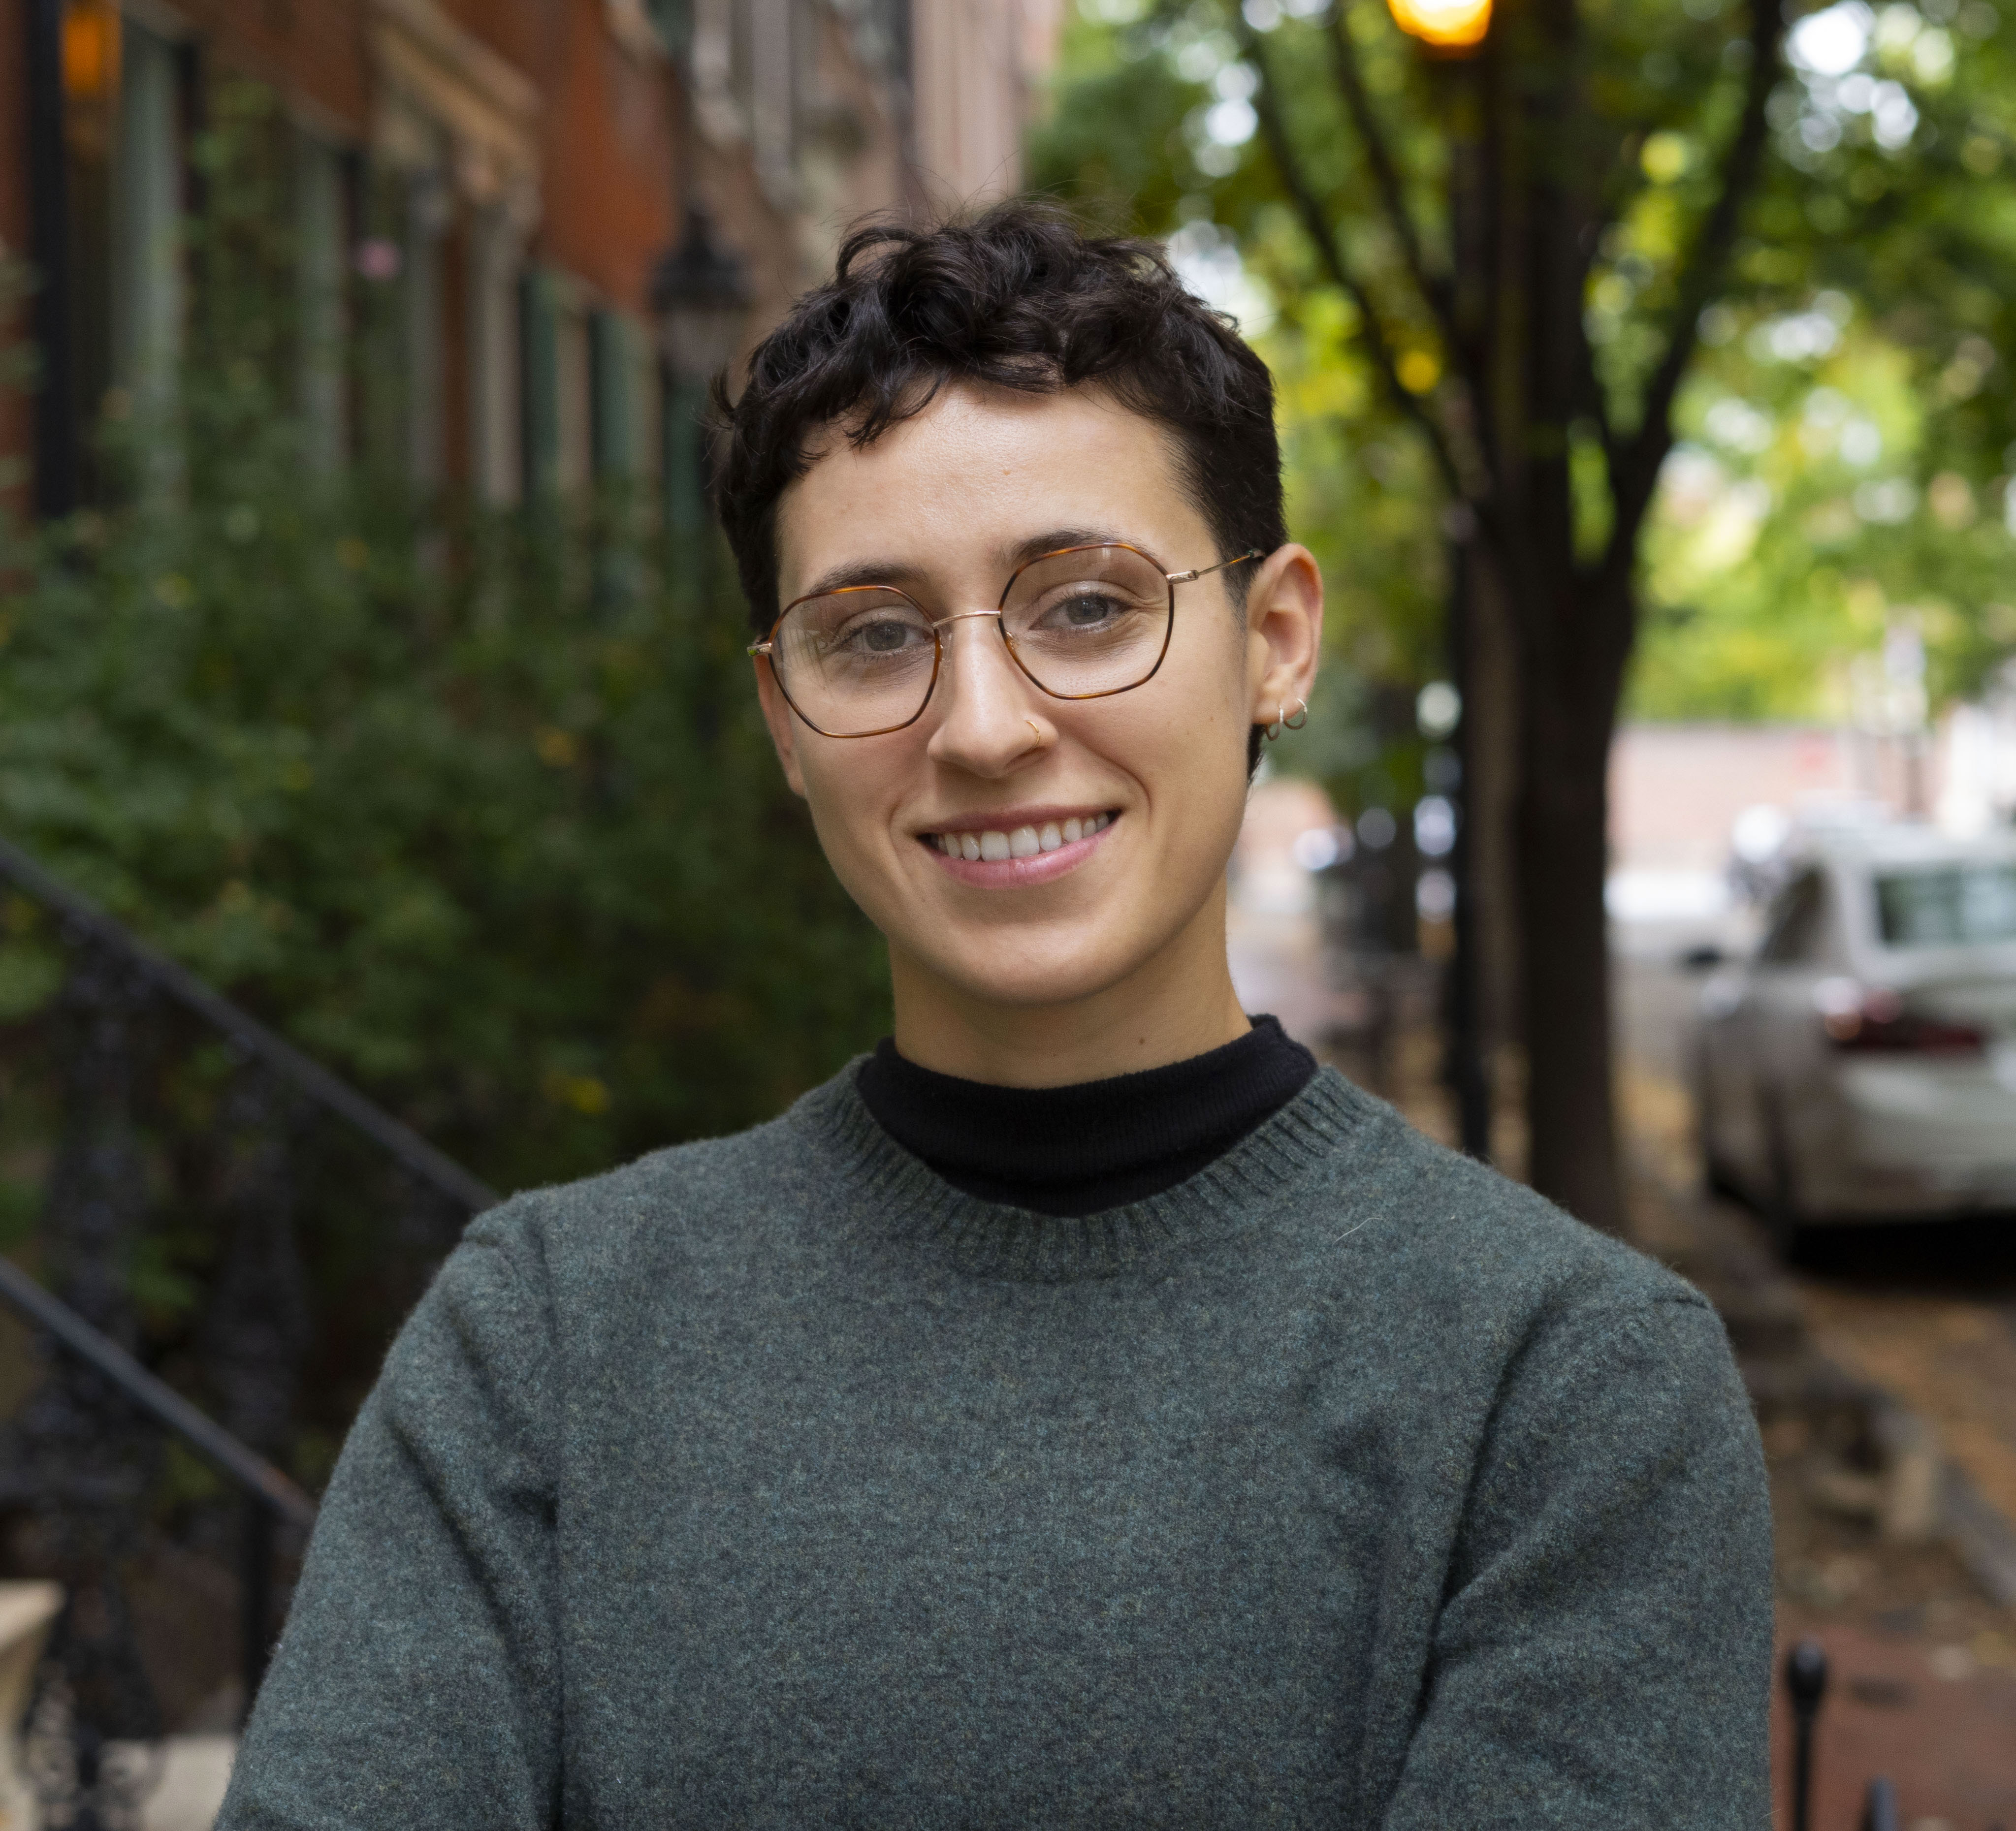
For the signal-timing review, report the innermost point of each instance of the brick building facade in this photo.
(507, 178)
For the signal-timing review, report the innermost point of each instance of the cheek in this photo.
(1188, 728)
(848, 798)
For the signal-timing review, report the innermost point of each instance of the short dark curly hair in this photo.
(1018, 297)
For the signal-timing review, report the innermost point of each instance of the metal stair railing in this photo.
(132, 1039)
(270, 1497)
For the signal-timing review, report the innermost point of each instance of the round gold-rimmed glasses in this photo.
(1082, 622)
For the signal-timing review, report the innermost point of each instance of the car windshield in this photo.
(1947, 905)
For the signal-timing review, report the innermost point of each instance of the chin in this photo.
(1015, 978)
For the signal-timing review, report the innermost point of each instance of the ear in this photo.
(1284, 613)
(782, 723)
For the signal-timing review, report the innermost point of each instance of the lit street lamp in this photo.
(1454, 25)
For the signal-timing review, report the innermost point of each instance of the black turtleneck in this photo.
(1078, 1150)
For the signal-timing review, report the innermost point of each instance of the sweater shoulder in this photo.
(1456, 1233)
(696, 1198)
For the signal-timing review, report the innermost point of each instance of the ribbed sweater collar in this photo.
(898, 1198)
(1092, 1145)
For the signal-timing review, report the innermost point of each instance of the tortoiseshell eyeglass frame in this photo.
(767, 648)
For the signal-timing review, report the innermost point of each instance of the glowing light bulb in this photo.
(90, 50)
(1450, 25)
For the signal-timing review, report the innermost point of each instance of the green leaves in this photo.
(451, 824)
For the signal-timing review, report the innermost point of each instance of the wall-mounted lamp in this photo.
(701, 295)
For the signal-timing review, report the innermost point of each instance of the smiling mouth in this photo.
(993, 846)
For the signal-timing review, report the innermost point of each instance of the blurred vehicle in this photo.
(1862, 1064)
(1767, 842)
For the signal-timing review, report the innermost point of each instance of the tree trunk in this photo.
(1490, 796)
(1570, 713)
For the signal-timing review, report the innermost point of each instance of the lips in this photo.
(994, 845)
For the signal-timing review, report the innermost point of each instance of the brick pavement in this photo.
(1907, 1704)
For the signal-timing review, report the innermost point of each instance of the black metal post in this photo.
(1459, 83)
(1466, 1070)
(256, 1579)
(1805, 1683)
(57, 453)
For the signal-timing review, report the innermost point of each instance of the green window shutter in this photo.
(319, 204)
(540, 393)
(613, 416)
(147, 286)
(683, 473)
(673, 19)
(382, 321)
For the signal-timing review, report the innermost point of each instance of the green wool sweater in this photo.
(772, 1481)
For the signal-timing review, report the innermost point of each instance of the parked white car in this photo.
(1862, 1065)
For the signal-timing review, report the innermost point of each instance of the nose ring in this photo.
(1037, 728)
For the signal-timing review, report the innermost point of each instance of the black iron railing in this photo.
(170, 1129)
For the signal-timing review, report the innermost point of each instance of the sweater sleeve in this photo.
(1602, 1657)
(418, 1679)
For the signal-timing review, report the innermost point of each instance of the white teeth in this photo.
(1025, 842)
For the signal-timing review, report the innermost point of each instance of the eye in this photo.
(1084, 610)
(880, 634)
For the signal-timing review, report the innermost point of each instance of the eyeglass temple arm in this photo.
(1203, 571)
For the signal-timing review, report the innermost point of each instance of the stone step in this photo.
(195, 1769)
(26, 1612)
(193, 1778)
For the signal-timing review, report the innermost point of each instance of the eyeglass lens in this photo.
(1080, 624)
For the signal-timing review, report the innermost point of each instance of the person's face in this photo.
(946, 506)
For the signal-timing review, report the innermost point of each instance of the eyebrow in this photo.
(858, 573)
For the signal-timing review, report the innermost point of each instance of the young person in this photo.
(1085, 1411)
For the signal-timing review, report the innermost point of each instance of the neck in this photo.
(1178, 1004)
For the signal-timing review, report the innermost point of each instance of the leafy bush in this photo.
(476, 807)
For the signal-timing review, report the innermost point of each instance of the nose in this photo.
(984, 727)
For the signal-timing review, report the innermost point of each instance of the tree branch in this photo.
(1637, 471)
(1385, 173)
(1330, 253)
